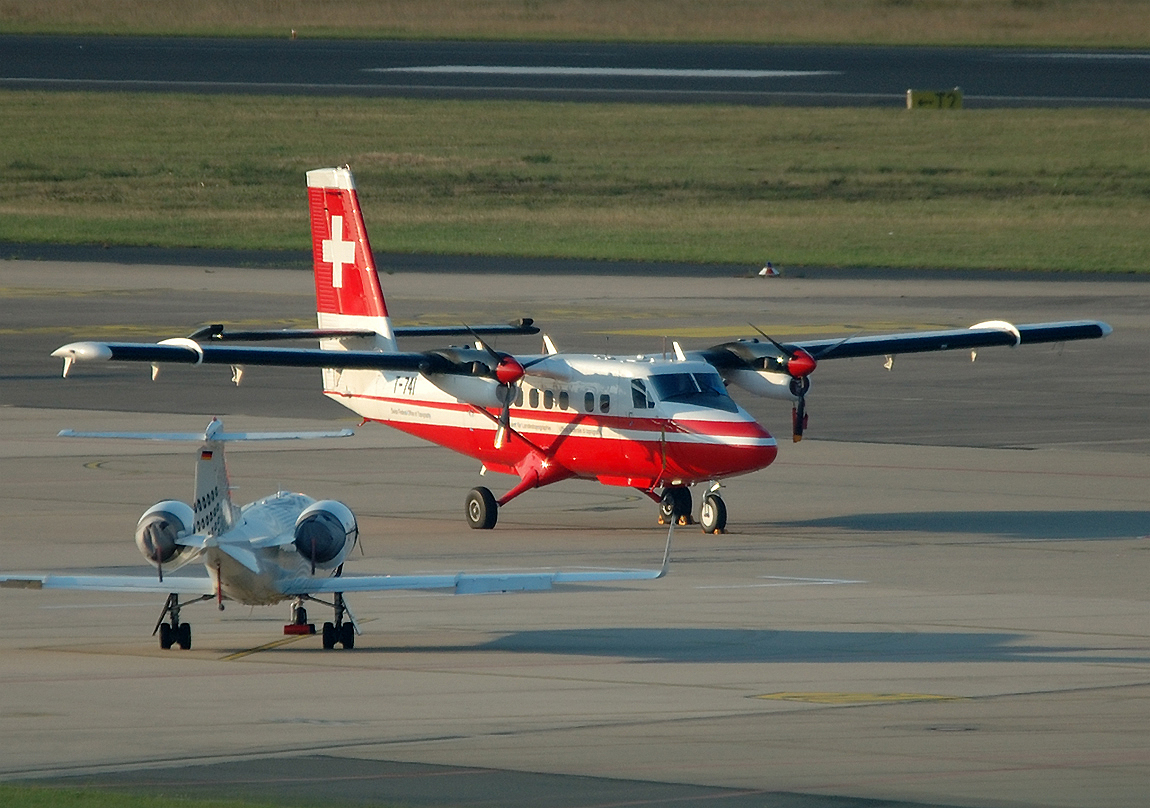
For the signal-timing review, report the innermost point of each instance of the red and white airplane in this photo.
(658, 424)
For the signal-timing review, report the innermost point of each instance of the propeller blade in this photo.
(799, 363)
(771, 340)
(830, 349)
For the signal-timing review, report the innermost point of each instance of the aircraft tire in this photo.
(347, 636)
(328, 636)
(166, 639)
(184, 636)
(675, 505)
(481, 509)
(713, 516)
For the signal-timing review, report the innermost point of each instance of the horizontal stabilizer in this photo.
(218, 333)
(183, 585)
(201, 436)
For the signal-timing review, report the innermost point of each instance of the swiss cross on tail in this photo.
(338, 252)
(345, 280)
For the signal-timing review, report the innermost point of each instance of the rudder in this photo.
(347, 290)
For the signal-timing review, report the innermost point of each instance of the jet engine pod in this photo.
(325, 533)
(160, 527)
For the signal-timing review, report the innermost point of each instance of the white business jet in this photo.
(283, 547)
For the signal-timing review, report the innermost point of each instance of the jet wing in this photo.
(465, 583)
(477, 583)
(183, 585)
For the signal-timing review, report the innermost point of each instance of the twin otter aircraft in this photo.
(653, 423)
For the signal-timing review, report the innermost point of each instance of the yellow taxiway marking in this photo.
(265, 647)
(857, 698)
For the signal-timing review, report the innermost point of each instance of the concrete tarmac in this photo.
(938, 598)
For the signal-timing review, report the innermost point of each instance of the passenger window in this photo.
(534, 398)
(564, 400)
(518, 396)
(589, 402)
(548, 399)
(604, 403)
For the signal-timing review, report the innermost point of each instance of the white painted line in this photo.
(1112, 57)
(628, 72)
(784, 580)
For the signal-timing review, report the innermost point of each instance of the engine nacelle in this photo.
(160, 527)
(325, 533)
(762, 383)
(481, 392)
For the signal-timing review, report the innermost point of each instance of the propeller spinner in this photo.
(799, 365)
(507, 371)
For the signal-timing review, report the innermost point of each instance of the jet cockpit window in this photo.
(700, 389)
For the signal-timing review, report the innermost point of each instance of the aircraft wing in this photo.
(977, 336)
(184, 585)
(477, 583)
(751, 353)
(218, 333)
(465, 583)
(447, 361)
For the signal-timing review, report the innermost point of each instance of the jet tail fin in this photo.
(212, 504)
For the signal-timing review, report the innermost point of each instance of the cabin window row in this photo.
(550, 399)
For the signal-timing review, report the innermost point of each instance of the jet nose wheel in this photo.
(481, 509)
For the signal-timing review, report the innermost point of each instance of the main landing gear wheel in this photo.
(180, 635)
(171, 630)
(675, 506)
(481, 509)
(713, 516)
(344, 635)
(340, 631)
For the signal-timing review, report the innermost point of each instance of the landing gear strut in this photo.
(339, 631)
(174, 632)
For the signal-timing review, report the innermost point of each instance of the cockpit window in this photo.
(700, 389)
(639, 398)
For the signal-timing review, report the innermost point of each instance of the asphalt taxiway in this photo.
(938, 598)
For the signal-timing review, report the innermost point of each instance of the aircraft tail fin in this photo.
(212, 504)
(347, 290)
(215, 513)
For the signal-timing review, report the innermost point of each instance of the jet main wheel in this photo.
(166, 638)
(347, 636)
(184, 636)
(713, 516)
(329, 636)
(675, 506)
(481, 509)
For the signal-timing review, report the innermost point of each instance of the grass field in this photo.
(1019, 189)
(39, 797)
(1063, 23)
